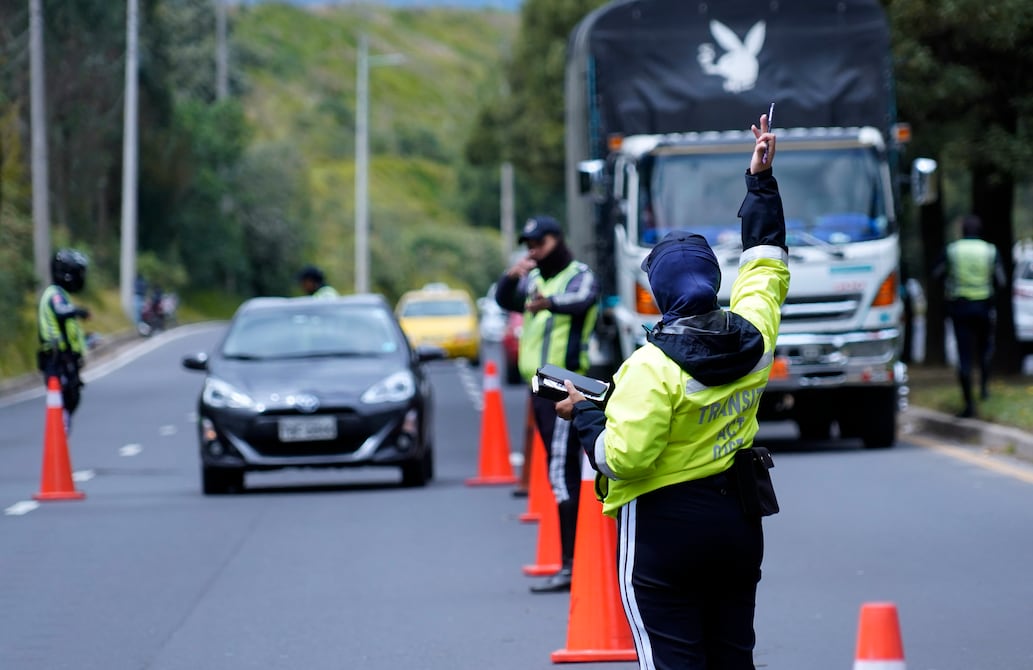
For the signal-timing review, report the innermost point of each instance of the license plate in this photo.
(308, 429)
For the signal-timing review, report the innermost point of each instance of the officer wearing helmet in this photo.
(62, 342)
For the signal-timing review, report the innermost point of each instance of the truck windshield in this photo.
(829, 196)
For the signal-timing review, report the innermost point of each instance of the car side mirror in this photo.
(924, 189)
(592, 179)
(196, 362)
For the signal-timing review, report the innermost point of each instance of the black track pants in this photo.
(688, 566)
(564, 462)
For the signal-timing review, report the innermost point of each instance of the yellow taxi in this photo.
(441, 316)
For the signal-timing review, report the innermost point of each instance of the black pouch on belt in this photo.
(756, 492)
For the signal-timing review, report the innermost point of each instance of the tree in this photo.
(962, 81)
(525, 125)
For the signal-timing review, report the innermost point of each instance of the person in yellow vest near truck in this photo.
(973, 274)
(313, 283)
(62, 342)
(674, 446)
(558, 296)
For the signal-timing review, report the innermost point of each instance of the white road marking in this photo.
(130, 450)
(166, 431)
(83, 475)
(22, 507)
(470, 383)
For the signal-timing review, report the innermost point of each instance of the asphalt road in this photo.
(345, 569)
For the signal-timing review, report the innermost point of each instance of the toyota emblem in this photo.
(306, 402)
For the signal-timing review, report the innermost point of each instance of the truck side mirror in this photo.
(591, 179)
(923, 181)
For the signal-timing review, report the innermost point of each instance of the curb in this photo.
(971, 432)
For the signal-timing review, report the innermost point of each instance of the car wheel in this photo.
(418, 472)
(219, 481)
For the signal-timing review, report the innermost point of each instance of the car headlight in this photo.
(399, 386)
(218, 393)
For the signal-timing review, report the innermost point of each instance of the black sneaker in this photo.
(557, 583)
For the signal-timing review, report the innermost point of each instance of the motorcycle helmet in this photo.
(68, 269)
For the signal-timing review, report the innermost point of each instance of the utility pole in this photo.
(362, 157)
(507, 217)
(362, 167)
(222, 79)
(129, 168)
(40, 174)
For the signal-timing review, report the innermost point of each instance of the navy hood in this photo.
(684, 276)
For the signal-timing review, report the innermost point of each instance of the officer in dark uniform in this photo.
(683, 407)
(558, 296)
(62, 342)
(974, 273)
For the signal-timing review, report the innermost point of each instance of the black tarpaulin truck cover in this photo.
(661, 66)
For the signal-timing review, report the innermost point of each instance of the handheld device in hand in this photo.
(548, 383)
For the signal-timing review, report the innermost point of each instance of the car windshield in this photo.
(829, 196)
(435, 308)
(314, 329)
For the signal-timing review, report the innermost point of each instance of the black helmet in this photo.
(311, 272)
(68, 269)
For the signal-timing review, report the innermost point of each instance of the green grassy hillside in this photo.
(297, 69)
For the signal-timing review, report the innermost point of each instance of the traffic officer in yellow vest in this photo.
(668, 446)
(973, 273)
(62, 342)
(558, 296)
(313, 283)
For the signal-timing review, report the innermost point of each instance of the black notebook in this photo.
(548, 383)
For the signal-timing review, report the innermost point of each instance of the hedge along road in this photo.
(344, 569)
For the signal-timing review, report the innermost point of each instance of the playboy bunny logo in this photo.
(738, 65)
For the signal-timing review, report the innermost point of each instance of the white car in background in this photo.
(1022, 291)
(493, 318)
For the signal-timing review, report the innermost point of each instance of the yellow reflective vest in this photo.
(664, 427)
(49, 325)
(971, 264)
(559, 335)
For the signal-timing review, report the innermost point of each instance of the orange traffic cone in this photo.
(878, 638)
(597, 629)
(56, 481)
(549, 558)
(494, 467)
(539, 497)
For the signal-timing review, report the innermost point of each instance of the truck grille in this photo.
(821, 308)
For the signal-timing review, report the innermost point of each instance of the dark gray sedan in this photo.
(313, 382)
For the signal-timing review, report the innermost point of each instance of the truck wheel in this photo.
(814, 425)
(879, 428)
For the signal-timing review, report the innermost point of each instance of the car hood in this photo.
(332, 380)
